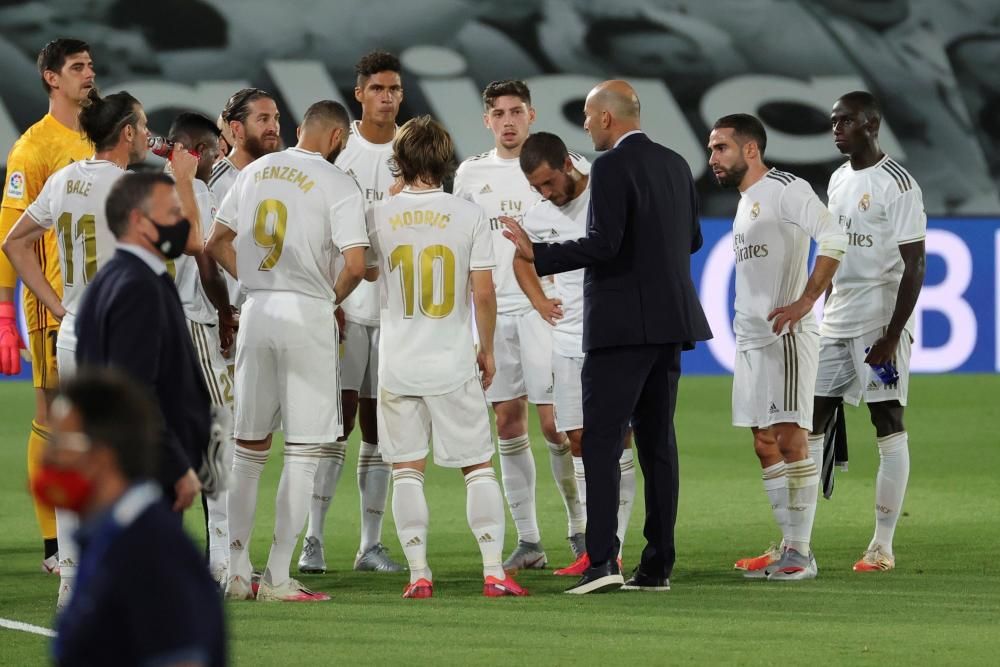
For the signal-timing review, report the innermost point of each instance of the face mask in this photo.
(171, 240)
(62, 488)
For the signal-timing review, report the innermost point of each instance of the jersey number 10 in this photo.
(434, 303)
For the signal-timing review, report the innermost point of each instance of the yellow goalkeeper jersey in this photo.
(46, 147)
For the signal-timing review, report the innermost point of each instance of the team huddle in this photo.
(336, 283)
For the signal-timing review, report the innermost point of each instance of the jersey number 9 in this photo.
(269, 225)
(437, 299)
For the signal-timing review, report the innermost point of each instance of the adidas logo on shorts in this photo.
(486, 189)
(772, 409)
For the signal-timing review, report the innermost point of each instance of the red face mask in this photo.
(61, 488)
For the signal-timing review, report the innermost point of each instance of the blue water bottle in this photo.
(886, 372)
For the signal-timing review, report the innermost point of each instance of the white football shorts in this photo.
(359, 360)
(774, 384)
(843, 371)
(457, 423)
(522, 349)
(287, 369)
(214, 367)
(567, 391)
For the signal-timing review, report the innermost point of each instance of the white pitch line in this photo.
(26, 627)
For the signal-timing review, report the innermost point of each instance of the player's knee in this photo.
(511, 419)
(765, 446)
(887, 418)
(791, 440)
(550, 431)
(575, 442)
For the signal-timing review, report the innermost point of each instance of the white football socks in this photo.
(816, 450)
(581, 483)
(517, 466)
(626, 495)
(890, 487)
(777, 494)
(373, 486)
(409, 511)
(328, 471)
(248, 464)
(802, 481)
(218, 514)
(484, 511)
(561, 461)
(67, 524)
(291, 507)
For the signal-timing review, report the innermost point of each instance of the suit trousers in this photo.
(634, 384)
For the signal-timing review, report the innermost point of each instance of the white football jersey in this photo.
(184, 269)
(73, 201)
(880, 208)
(426, 243)
(774, 221)
(223, 176)
(500, 187)
(548, 223)
(368, 163)
(293, 213)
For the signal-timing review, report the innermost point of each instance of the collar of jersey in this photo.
(356, 134)
(407, 191)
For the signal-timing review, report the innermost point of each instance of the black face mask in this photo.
(170, 240)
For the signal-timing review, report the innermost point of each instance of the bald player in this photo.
(640, 310)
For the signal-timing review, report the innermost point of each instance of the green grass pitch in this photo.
(940, 606)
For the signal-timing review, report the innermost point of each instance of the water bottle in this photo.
(162, 147)
(886, 372)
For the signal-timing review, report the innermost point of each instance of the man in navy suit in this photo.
(131, 319)
(640, 310)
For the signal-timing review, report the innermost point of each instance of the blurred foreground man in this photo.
(100, 463)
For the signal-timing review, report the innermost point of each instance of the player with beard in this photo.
(253, 119)
(67, 74)
(777, 338)
(380, 91)
(288, 222)
(523, 344)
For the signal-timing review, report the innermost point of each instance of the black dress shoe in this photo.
(601, 579)
(640, 581)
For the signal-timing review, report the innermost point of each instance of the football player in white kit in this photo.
(868, 319)
(72, 201)
(562, 216)
(380, 91)
(254, 122)
(777, 338)
(211, 323)
(294, 217)
(434, 249)
(523, 344)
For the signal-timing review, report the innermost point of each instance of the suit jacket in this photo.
(642, 228)
(131, 319)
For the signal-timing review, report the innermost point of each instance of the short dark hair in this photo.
(375, 62)
(238, 106)
(327, 111)
(130, 192)
(423, 150)
(864, 101)
(119, 414)
(103, 118)
(193, 126)
(745, 127)
(543, 147)
(512, 87)
(53, 56)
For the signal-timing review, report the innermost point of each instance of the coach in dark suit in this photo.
(640, 310)
(131, 318)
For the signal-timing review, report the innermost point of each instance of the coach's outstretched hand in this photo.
(516, 234)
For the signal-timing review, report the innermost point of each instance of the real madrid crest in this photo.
(865, 203)
(755, 210)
